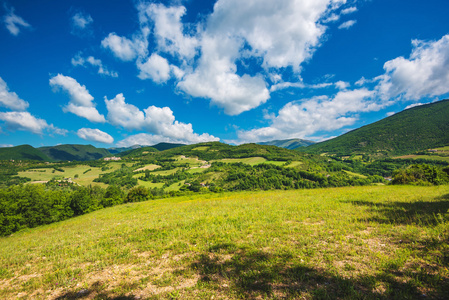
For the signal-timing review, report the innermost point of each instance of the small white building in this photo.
(112, 158)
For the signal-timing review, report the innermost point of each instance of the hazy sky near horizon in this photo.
(118, 73)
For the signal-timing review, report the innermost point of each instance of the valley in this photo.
(216, 220)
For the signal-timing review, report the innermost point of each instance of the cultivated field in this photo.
(81, 174)
(377, 242)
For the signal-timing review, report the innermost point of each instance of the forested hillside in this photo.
(289, 144)
(411, 130)
(74, 152)
(22, 152)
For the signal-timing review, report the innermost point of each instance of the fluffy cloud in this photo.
(13, 22)
(25, 121)
(122, 47)
(95, 135)
(425, 73)
(281, 34)
(123, 114)
(78, 60)
(321, 113)
(156, 67)
(216, 79)
(126, 49)
(10, 99)
(152, 139)
(275, 34)
(159, 121)
(347, 24)
(169, 30)
(81, 102)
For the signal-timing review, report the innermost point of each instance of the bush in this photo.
(420, 175)
(137, 194)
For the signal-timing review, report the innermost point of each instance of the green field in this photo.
(377, 242)
(149, 184)
(202, 148)
(86, 174)
(252, 161)
(354, 174)
(429, 157)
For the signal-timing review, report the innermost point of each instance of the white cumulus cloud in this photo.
(204, 57)
(127, 49)
(279, 33)
(13, 22)
(25, 121)
(169, 30)
(425, 73)
(156, 121)
(95, 135)
(156, 68)
(10, 99)
(322, 113)
(81, 102)
(123, 114)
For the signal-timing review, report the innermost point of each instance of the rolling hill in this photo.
(288, 144)
(414, 129)
(166, 146)
(74, 152)
(22, 152)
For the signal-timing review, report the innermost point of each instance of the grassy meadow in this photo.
(85, 174)
(377, 242)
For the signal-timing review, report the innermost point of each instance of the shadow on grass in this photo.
(253, 274)
(425, 213)
(95, 291)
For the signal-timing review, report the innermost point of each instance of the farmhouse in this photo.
(112, 158)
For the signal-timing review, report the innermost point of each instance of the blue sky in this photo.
(119, 73)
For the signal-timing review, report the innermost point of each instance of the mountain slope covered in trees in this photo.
(74, 152)
(289, 144)
(22, 152)
(418, 128)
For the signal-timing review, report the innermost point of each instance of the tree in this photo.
(137, 194)
(113, 196)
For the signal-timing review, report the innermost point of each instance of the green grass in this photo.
(256, 161)
(354, 174)
(149, 184)
(378, 242)
(84, 178)
(429, 157)
(196, 170)
(166, 172)
(202, 148)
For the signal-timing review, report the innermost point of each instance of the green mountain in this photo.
(216, 151)
(22, 152)
(166, 146)
(137, 152)
(74, 152)
(414, 129)
(288, 144)
(116, 150)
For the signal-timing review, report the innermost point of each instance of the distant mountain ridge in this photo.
(74, 152)
(22, 152)
(288, 144)
(418, 128)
